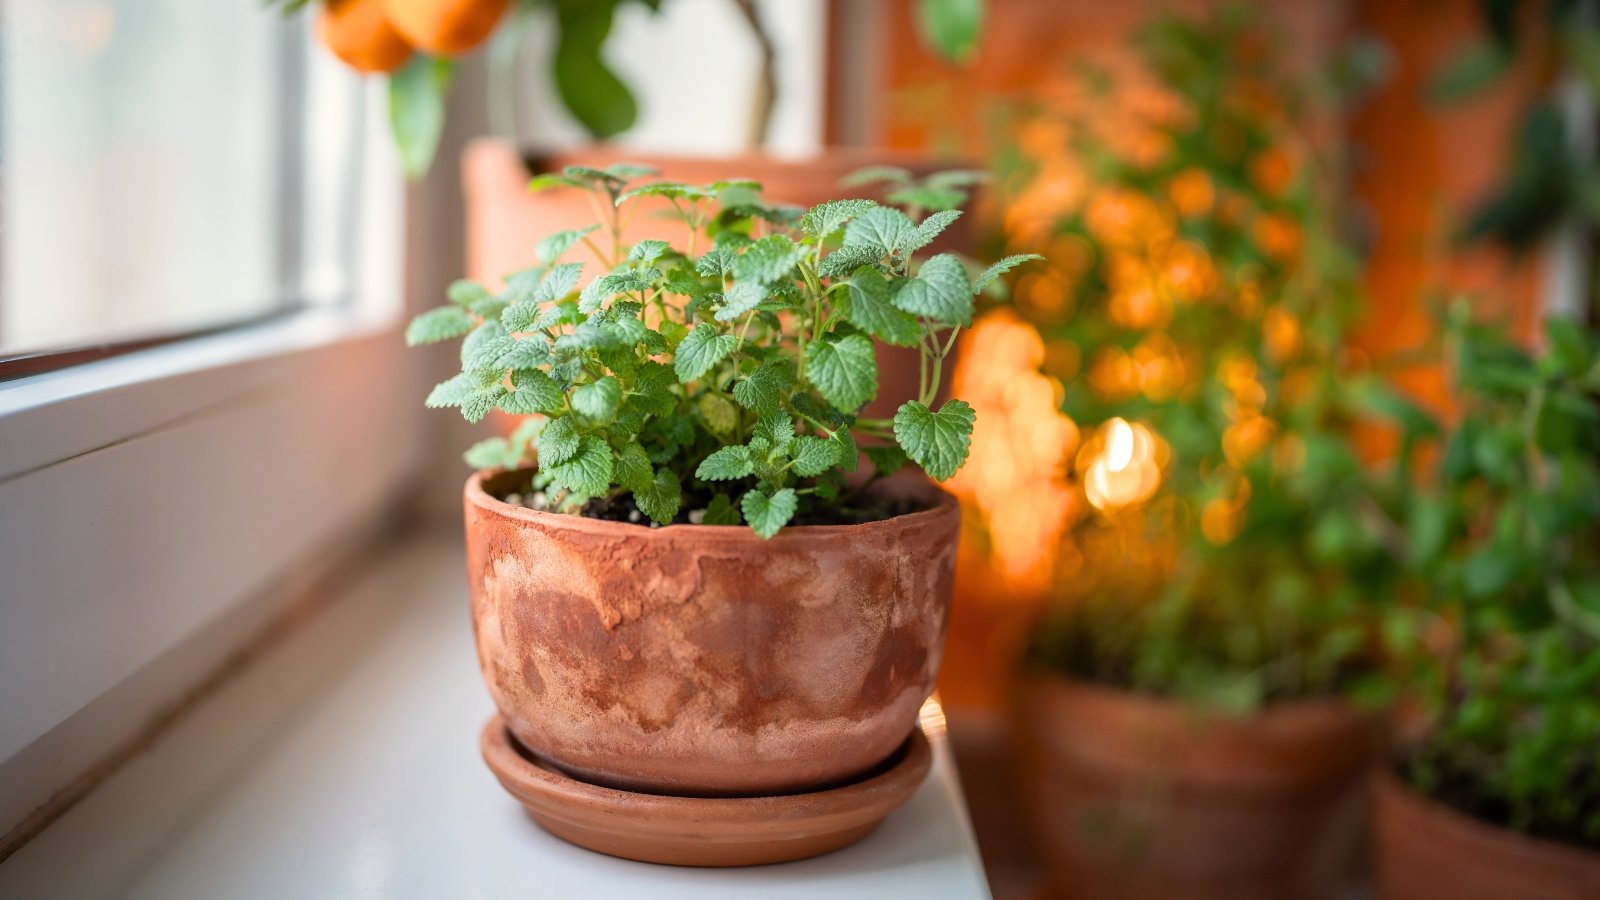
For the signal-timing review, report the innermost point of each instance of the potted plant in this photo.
(1182, 725)
(681, 583)
(1497, 796)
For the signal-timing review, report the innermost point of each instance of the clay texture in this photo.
(700, 831)
(1424, 850)
(1140, 797)
(701, 660)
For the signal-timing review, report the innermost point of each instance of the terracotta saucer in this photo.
(697, 831)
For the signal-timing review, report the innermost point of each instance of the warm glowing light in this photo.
(1124, 469)
(932, 719)
(1014, 484)
(1119, 445)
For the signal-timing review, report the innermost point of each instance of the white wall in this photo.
(692, 68)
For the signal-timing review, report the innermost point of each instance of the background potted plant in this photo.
(688, 593)
(1182, 731)
(1498, 793)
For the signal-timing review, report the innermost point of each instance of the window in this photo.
(168, 166)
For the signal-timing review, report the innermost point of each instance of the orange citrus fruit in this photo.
(445, 27)
(358, 33)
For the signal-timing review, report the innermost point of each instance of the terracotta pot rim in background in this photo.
(1480, 839)
(943, 505)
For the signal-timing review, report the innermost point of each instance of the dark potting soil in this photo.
(622, 509)
(1462, 791)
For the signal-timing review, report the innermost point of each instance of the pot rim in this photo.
(1386, 781)
(1169, 704)
(944, 506)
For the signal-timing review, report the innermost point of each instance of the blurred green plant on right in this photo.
(1505, 537)
(1230, 539)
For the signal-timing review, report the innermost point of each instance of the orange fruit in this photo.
(445, 27)
(358, 33)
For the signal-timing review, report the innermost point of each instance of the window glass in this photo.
(167, 166)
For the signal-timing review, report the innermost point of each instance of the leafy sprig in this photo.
(727, 375)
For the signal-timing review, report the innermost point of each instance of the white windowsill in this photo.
(344, 763)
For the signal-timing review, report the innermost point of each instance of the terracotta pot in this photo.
(504, 221)
(1140, 797)
(1424, 850)
(701, 660)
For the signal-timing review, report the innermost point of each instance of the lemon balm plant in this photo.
(712, 380)
(719, 381)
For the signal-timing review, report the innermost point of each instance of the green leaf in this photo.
(492, 453)
(777, 430)
(725, 464)
(1470, 71)
(674, 190)
(1000, 268)
(466, 293)
(594, 94)
(721, 416)
(936, 441)
(887, 460)
(648, 251)
(767, 514)
(939, 291)
(762, 390)
(556, 245)
(439, 324)
(883, 229)
(868, 307)
(931, 228)
(813, 455)
(598, 400)
(701, 349)
(547, 180)
(451, 393)
(558, 442)
(534, 392)
(876, 175)
(660, 499)
(721, 511)
(847, 259)
(740, 299)
(767, 260)
(844, 370)
(928, 196)
(950, 28)
(717, 263)
(826, 218)
(416, 110)
(613, 283)
(478, 403)
(588, 470)
(632, 469)
(558, 282)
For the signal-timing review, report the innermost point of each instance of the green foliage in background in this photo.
(1551, 177)
(725, 375)
(1211, 300)
(1505, 540)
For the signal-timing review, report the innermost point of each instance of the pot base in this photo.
(695, 831)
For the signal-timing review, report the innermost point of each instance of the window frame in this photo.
(117, 565)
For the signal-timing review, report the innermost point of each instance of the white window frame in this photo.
(153, 505)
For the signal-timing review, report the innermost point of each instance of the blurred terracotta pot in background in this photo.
(701, 660)
(1425, 850)
(1135, 796)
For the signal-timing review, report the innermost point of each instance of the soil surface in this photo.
(855, 511)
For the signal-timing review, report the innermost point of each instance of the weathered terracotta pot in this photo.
(701, 660)
(1139, 797)
(1424, 850)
